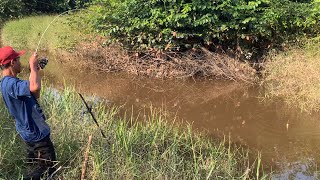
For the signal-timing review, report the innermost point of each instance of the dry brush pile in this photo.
(191, 64)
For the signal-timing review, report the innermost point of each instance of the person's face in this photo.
(16, 65)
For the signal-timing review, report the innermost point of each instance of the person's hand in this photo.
(33, 61)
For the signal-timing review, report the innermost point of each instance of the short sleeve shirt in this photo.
(23, 106)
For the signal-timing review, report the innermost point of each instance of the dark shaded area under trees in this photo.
(19, 8)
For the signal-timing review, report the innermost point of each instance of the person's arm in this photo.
(35, 80)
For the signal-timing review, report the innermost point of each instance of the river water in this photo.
(288, 139)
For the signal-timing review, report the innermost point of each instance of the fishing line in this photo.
(50, 25)
(51, 4)
(89, 109)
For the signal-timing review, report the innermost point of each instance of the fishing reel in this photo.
(43, 61)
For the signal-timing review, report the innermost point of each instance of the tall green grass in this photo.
(150, 149)
(26, 33)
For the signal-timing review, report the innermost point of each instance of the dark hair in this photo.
(5, 66)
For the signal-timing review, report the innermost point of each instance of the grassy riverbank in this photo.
(27, 33)
(153, 149)
(294, 76)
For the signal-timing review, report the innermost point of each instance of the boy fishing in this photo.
(20, 98)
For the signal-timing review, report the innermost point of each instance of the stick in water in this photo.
(86, 154)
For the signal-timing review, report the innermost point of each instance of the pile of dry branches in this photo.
(194, 63)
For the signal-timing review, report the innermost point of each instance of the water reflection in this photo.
(287, 138)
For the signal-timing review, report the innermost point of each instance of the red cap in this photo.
(8, 53)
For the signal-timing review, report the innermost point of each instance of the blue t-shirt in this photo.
(23, 106)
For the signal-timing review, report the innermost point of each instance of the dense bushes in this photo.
(240, 25)
(51, 6)
(10, 8)
(17, 8)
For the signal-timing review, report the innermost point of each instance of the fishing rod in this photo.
(93, 117)
(45, 61)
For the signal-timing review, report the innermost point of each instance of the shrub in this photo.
(11, 8)
(181, 24)
(294, 76)
(18, 8)
(52, 6)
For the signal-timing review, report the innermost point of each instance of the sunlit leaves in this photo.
(141, 24)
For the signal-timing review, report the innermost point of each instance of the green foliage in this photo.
(50, 6)
(18, 8)
(176, 24)
(11, 8)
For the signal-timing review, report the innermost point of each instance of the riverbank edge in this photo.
(89, 51)
(133, 149)
(86, 52)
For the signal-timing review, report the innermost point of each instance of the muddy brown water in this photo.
(288, 139)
